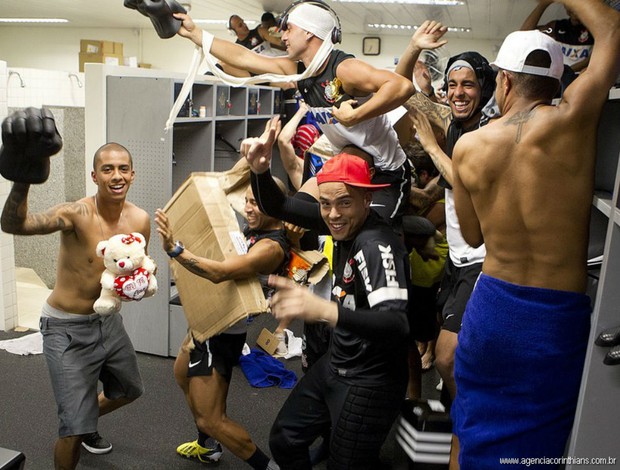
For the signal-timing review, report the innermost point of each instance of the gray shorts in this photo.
(81, 350)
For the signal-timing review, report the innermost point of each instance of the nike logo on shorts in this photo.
(192, 364)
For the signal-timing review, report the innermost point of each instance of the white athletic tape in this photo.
(201, 53)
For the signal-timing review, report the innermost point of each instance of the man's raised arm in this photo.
(231, 53)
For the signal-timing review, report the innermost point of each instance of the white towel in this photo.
(294, 345)
(29, 344)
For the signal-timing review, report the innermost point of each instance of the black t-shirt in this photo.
(252, 40)
(370, 284)
(576, 40)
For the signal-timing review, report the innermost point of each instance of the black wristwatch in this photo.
(177, 250)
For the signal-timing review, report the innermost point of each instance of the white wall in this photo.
(8, 292)
(57, 48)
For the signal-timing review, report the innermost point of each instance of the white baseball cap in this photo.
(518, 45)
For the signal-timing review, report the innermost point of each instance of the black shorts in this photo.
(423, 312)
(221, 351)
(390, 202)
(456, 288)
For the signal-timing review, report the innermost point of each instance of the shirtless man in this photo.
(524, 185)
(80, 346)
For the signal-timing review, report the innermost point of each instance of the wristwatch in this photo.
(177, 250)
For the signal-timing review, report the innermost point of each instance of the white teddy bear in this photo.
(129, 273)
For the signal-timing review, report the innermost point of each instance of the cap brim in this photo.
(372, 187)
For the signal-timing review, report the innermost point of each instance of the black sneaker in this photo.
(95, 444)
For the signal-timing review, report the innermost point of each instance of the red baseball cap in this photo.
(348, 169)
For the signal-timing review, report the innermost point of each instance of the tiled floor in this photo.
(31, 294)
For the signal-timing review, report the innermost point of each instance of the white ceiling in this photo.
(488, 19)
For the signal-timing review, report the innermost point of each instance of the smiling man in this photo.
(354, 392)
(204, 369)
(470, 84)
(80, 346)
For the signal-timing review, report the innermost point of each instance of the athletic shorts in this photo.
(80, 351)
(221, 351)
(423, 313)
(390, 202)
(456, 288)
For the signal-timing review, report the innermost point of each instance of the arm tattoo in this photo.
(15, 217)
(519, 119)
(422, 199)
(437, 114)
(192, 265)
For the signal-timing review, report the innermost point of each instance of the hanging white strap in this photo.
(203, 53)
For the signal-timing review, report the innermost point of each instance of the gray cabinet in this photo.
(597, 422)
(133, 107)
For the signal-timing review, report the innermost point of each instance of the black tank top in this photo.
(254, 236)
(324, 89)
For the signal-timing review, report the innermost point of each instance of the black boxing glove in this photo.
(160, 13)
(29, 138)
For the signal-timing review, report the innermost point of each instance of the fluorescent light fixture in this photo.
(33, 20)
(224, 22)
(412, 2)
(408, 27)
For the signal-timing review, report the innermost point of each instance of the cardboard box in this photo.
(204, 221)
(268, 341)
(307, 266)
(118, 48)
(97, 46)
(108, 59)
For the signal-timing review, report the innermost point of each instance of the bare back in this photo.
(530, 177)
(523, 185)
(79, 268)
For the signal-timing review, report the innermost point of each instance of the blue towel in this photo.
(518, 367)
(262, 370)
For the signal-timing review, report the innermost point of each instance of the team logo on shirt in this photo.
(363, 269)
(333, 90)
(348, 275)
(387, 259)
(584, 36)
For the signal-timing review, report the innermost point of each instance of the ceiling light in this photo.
(408, 27)
(224, 22)
(33, 20)
(412, 2)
